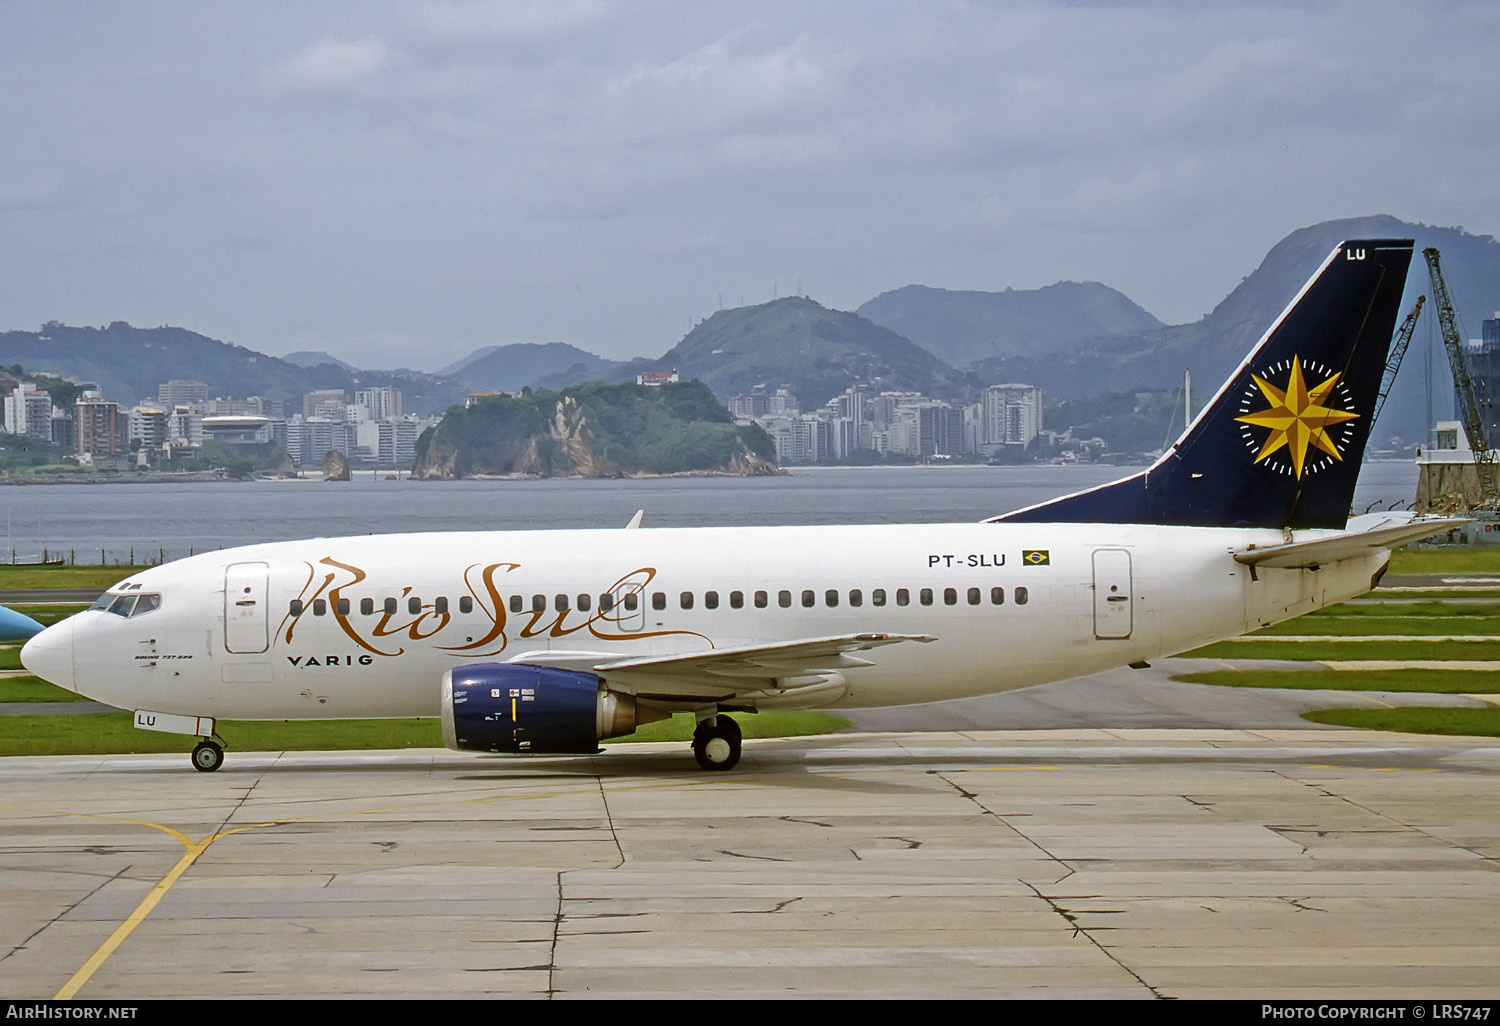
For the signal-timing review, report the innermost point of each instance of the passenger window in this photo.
(466, 604)
(539, 603)
(784, 599)
(761, 600)
(686, 600)
(295, 608)
(658, 600)
(736, 600)
(606, 602)
(855, 598)
(710, 600)
(517, 603)
(560, 603)
(950, 596)
(877, 597)
(413, 605)
(440, 605)
(831, 597)
(631, 601)
(903, 597)
(1021, 596)
(997, 596)
(367, 607)
(974, 596)
(390, 607)
(341, 607)
(320, 607)
(808, 598)
(925, 596)
(584, 602)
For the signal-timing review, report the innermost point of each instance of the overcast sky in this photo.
(399, 183)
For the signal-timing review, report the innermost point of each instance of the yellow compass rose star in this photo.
(1297, 418)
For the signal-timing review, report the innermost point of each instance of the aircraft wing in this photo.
(1381, 533)
(804, 666)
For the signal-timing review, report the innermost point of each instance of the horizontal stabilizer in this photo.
(1380, 531)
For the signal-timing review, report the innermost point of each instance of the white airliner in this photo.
(548, 641)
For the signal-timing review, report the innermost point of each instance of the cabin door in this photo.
(1112, 613)
(245, 615)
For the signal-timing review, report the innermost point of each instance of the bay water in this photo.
(145, 523)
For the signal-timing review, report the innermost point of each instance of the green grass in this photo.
(1415, 719)
(779, 723)
(1343, 626)
(33, 689)
(1444, 682)
(1476, 559)
(51, 613)
(1313, 651)
(100, 577)
(115, 734)
(1404, 610)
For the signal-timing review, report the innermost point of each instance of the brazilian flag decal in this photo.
(1036, 557)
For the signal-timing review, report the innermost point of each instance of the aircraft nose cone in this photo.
(16, 626)
(49, 654)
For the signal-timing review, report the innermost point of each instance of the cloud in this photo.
(332, 66)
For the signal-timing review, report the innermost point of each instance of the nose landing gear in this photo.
(208, 756)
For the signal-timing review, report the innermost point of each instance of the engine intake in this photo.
(509, 707)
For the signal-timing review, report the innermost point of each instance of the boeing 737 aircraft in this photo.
(549, 641)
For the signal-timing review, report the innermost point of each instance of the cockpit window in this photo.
(128, 605)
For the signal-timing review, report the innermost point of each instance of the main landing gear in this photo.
(716, 743)
(208, 756)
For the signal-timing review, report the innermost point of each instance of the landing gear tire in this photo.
(717, 746)
(207, 757)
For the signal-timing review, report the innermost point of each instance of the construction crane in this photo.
(1398, 351)
(1471, 413)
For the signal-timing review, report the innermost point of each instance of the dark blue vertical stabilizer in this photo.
(1281, 443)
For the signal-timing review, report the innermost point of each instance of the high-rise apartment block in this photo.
(28, 411)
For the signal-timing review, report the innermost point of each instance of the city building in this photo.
(182, 392)
(99, 429)
(28, 411)
(1010, 416)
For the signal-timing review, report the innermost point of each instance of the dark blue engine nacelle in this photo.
(506, 707)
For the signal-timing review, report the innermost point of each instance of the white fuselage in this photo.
(366, 626)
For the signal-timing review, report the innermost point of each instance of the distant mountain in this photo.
(962, 327)
(1214, 345)
(128, 363)
(511, 368)
(316, 358)
(817, 351)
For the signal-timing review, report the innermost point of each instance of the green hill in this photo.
(552, 364)
(128, 363)
(594, 430)
(962, 327)
(817, 351)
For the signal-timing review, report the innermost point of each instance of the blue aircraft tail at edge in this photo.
(1280, 445)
